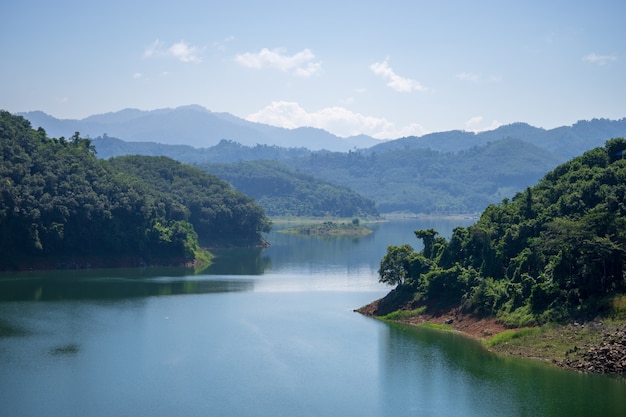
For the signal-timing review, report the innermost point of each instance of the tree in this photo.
(394, 267)
(432, 243)
(616, 148)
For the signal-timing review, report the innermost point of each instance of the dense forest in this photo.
(283, 191)
(437, 173)
(61, 206)
(555, 251)
(397, 178)
(219, 214)
(431, 182)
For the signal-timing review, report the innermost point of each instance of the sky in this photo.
(386, 69)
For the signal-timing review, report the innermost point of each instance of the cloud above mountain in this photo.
(181, 51)
(338, 120)
(395, 81)
(301, 64)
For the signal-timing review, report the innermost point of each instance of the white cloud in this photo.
(599, 59)
(338, 120)
(396, 82)
(137, 75)
(476, 124)
(468, 76)
(184, 52)
(179, 50)
(301, 64)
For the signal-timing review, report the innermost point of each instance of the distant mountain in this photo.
(565, 141)
(441, 172)
(193, 126)
(225, 151)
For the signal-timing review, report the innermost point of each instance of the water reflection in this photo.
(450, 374)
(260, 332)
(239, 261)
(111, 285)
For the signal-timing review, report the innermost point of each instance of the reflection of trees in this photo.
(427, 370)
(239, 261)
(74, 287)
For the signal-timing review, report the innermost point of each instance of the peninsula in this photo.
(541, 275)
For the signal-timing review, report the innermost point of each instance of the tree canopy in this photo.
(555, 251)
(283, 191)
(60, 205)
(219, 214)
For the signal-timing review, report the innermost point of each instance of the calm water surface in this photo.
(260, 333)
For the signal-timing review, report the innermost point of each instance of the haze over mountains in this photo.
(444, 172)
(194, 126)
(198, 127)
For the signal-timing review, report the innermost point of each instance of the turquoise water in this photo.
(277, 336)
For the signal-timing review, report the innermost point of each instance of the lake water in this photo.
(260, 333)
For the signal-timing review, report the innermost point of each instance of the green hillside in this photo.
(219, 214)
(283, 191)
(60, 206)
(427, 181)
(553, 253)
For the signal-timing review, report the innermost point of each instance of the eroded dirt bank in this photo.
(597, 346)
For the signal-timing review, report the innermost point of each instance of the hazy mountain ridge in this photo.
(443, 172)
(198, 127)
(564, 141)
(225, 151)
(194, 126)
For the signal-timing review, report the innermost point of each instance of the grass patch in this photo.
(508, 335)
(404, 314)
(330, 229)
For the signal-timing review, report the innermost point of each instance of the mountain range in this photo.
(443, 172)
(198, 127)
(193, 126)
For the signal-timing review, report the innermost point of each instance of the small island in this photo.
(330, 229)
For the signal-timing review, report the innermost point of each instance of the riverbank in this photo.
(598, 346)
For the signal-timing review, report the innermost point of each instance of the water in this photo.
(260, 333)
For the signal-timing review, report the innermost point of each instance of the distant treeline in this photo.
(283, 191)
(405, 178)
(60, 205)
(427, 181)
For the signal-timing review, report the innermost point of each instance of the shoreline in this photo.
(593, 347)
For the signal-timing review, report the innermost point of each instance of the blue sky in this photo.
(386, 69)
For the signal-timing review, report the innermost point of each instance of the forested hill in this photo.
(427, 181)
(61, 206)
(282, 191)
(555, 251)
(219, 214)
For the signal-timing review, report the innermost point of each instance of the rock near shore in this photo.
(607, 357)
